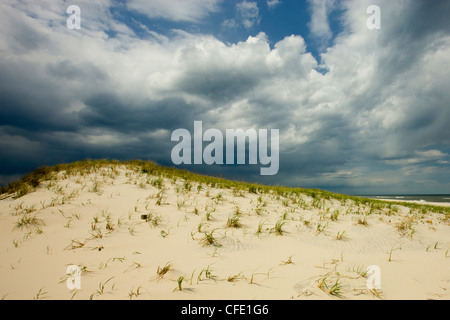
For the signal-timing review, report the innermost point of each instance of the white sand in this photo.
(133, 251)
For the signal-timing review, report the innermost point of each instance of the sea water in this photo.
(412, 197)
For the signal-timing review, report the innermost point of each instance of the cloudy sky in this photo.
(359, 111)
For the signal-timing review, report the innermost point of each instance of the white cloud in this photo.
(319, 25)
(176, 10)
(229, 24)
(272, 4)
(432, 154)
(249, 13)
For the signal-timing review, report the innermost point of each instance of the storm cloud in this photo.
(369, 114)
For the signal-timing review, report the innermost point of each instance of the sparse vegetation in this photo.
(237, 208)
(32, 180)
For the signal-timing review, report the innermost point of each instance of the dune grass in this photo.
(34, 179)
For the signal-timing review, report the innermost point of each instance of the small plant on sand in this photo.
(158, 183)
(261, 202)
(259, 211)
(39, 294)
(208, 273)
(187, 186)
(234, 278)
(162, 271)
(154, 219)
(131, 230)
(278, 228)
(252, 278)
(321, 227)
(360, 270)
(340, 235)
(98, 235)
(164, 234)
(334, 289)
(376, 293)
(210, 240)
(233, 221)
(335, 215)
(95, 187)
(28, 221)
(101, 287)
(288, 261)
(260, 228)
(406, 227)
(218, 198)
(390, 254)
(362, 221)
(136, 293)
(76, 245)
(179, 282)
(159, 198)
(109, 224)
(209, 213)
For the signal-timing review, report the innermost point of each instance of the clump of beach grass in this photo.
(234, 221)
(332, 288)
(362, 221)
(209, 239)
(208, 274)
(260, 228)
(278, 228)
(28, 221)
(136, 293)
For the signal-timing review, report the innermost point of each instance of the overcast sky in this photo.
(359, 111)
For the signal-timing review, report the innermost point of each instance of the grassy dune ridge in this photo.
(32, 180)
(138, 230)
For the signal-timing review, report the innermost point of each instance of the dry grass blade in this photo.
(162, 271)
(75, 245)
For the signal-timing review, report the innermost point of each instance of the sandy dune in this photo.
(321, 250)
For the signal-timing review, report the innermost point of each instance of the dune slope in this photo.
(146, 234)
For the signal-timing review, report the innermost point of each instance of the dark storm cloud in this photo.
(67, 70)
(29, 100)
(110, 111)
(220, 86)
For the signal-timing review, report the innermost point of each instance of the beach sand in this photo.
(320, 250)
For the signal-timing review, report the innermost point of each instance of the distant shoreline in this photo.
(439, 204)
(436, 199)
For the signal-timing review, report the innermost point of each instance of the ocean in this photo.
(412, 197)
